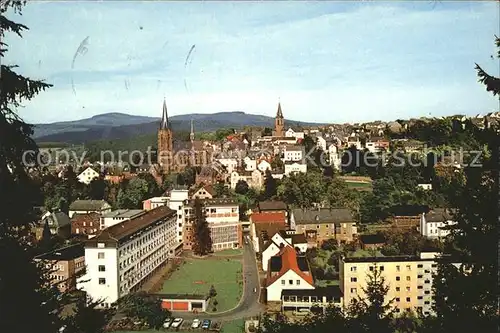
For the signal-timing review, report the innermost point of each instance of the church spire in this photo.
(191, 135)
(279, 114)
(164, 118)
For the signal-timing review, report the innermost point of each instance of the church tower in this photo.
(191, 135)
(165, 143)
(279, 123)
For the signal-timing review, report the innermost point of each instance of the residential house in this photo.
(114, 268)
(293, 153)
(64, 264)
(294, 133)
(58, 222)
(334, 156)
(230, 164)
(88, 206)
(407, 217)
(202, 192)
(280, 240)
(87, 176)
(116, 216)
(321, 224)
(433, 223)
(254, 179)
(372, 241)
(300, 300)
(250, 163)
(87, 224)
(292, 167)
(321, 143)
(270, 206)
(287, 271)
(263, 165)
(264, 225)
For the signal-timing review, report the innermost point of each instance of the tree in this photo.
(24, 286)
(144, 307)
(212, 292)
(97, 189)
(270, 186)
(241, 187)
(373, 313)
(221, 190)
(466, 294)
(202, 241)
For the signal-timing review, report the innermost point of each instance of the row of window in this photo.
(290, 282)
(398, 268)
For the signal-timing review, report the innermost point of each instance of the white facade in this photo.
(334, 156)
(254, 179)
(434, 229)
(269, 252)
(295, 167)
(250, 164)
(230, 163)
(426, 187)
(87, 176)
(289, 280)
(321, 143)
(116, 266)
(176, 202)
(290, 133)
(264, 165)
(293, 153)
(155, 202)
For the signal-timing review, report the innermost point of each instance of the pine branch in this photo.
(492, 83)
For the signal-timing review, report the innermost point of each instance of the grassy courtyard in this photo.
(196, 276)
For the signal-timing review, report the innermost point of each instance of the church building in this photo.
(279, 123)
(176, 156)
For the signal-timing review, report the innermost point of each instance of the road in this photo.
(249, 305)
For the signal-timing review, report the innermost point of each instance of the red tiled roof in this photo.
(289, 262)
(271, 217)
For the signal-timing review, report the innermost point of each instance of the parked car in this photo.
(196, 323)
(177, 322)
(206, 324)
(167, 323)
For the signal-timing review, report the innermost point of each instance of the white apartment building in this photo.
(177, 199)
(295, 167)
(249, 163)
(433, 222)
(223, 218)
(116, 216)
(254, 179)
(122, 257)
(87, 176)
(409, 279)
(293, 153)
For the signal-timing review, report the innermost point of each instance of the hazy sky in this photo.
(325, 61)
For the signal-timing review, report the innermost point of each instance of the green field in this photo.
(197, 275)
(359, 184)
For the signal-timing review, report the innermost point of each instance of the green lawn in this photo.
(364, 185)
(197, 275)
(366, 253)
(229, 252)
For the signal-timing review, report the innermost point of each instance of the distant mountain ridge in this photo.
(110, 126)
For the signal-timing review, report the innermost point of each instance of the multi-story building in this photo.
(86, 224)
(324, 223)
(432, 224)
(304, 299)
(409, 279)
(254, 179)
(119, 215)
(223, 218)
(264, 225)
(88, 206)
(87, 176)
(293, 153)
(292, 167)
(154, 202)
(122, 257)
(64, 265)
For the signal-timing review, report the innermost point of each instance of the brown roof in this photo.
(270, 217)
(88, 217)
(299, 239)
(439, 215)
(127, 228)
(289, 261)
(268, 229)
(272, 205)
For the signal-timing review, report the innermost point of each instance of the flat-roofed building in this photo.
(64, 264)
(305, 299)
(119, 215)
(122, 257)
(409, 279)
(223, 218)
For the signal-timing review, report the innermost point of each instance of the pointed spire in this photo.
(279, 114)
(164, 118)
(191, 135)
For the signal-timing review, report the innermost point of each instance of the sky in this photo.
(324, 61)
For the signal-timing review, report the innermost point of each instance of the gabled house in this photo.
(264, 225)
(58, 222)
(294, 133)
(292, 167)
(433, 223)
(203, 192)
(287, 271)
(89, 206)
(280, 240)
(87, 176)
(87, 224)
